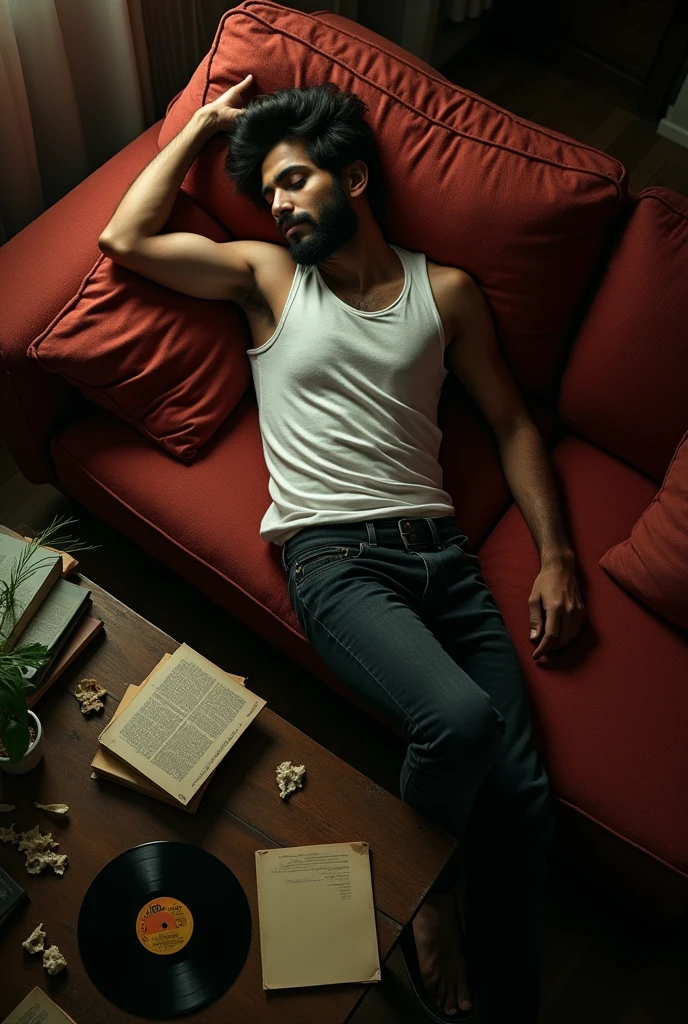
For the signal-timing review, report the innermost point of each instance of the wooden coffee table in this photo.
(240, 812)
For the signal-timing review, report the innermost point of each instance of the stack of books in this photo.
(170, 732)
(48, 609)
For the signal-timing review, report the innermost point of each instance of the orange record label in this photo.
(164, 925)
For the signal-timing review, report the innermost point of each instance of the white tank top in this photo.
(347, 406)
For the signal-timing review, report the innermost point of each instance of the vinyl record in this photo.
(164, 929)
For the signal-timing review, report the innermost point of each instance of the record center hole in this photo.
(164, 924)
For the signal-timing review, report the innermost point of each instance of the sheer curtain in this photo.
(79, 79)
(74, 90)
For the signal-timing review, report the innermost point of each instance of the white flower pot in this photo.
(32, 756)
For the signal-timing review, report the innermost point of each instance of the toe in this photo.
(464, 994)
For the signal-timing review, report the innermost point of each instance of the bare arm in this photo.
(187, 262)
(147, 204)
(527, 469)
(184, 261)
(555, 603)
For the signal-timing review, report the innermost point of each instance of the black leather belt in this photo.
(417, 535)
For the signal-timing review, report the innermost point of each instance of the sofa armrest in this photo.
(41, 269)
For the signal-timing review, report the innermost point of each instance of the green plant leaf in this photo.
(51, 537)
(13, 701)
(16, 738)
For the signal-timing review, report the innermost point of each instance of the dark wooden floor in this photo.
(598, 965)
(554, 99)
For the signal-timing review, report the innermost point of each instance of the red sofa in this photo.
(588, 285)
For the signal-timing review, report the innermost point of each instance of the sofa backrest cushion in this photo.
(626, 384)
(522, 209)
(172, 365)
(652, 563)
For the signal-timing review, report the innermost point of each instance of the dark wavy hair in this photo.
(328, 120)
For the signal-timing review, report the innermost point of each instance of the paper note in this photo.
(316, 915)
(38, 1008)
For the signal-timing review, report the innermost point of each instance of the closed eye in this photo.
(296, 184)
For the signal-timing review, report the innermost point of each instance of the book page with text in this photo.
(184, 721)
(38, 1008)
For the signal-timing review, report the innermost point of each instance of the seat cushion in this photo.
(202, 519)
(523, 209)
(626, 384)
(609, 708)
(652, 564)
(172, 365)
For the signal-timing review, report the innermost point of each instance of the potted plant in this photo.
(20, 751)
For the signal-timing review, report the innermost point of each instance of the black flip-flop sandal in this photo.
(407, 944)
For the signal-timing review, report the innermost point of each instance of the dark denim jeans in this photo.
(411, 628)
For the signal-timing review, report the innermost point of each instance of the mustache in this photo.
(290, 224)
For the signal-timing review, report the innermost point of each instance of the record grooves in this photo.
(164, 929)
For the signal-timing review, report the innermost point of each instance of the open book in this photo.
(69, 562)
(37, 571)
(107, 766)
(316, 915)
(182, 723)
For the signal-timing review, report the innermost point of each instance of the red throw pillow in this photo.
(523, 209)
(653, 563)
(172, 365)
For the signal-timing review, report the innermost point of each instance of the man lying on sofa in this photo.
(352, 338)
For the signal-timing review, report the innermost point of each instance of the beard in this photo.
(337, 224)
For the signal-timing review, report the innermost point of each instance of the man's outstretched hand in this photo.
(555, 603)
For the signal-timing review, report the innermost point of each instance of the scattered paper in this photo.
(34, 943)
(289, 778)
(57, 861)
(8, 835)
(35, 841)
(88, 693)
(53, 808)
(53, 961)
(37, 846)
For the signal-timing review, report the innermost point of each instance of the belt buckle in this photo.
(415, 534)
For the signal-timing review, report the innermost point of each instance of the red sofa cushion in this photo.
(112, 470)
(172, 365)
(626, 384)
(523, 209)
(653, 563)
(605, 702)
(41, 268)
(596, 703)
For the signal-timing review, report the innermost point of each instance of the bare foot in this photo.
(440, 955)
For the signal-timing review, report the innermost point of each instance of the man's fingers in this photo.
(536, 618)
(552, 626)
(571, 622)
(546, 644)
(565, 630)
